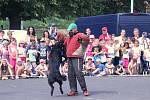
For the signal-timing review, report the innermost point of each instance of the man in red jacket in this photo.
(74, 52)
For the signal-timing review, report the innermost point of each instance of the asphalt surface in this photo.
(101, 88)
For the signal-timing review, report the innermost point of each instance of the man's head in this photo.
(72, 28)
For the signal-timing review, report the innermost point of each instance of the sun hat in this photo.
(71, 26)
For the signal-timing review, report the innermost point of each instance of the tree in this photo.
(17, 10)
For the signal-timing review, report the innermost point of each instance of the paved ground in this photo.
(101, 88)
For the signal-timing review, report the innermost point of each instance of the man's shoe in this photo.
(85, 93)
(72, 93)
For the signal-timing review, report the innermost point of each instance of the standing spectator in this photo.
(143, 41)
(136, 52)
(126, 51)
(32, 54)
(74, 52)
(88, 51)
(104, 52)
(105, 36)
(53, 31)
(96, 51)
(21, 51)
(1, 37)
(4, 52)
(122, 38)
(46, 35)
(43, 50)
(136, 34)
(30, 32)
(10, 36)
(12, 48)
(88, 31)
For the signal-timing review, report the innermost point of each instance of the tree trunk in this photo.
(14, 23)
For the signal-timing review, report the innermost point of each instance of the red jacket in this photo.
(73, 47)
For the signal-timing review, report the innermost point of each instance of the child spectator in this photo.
(32, 54)
(88, 51)
(111, 50)
(96, 51)
(28, 68)
(21, 51)
(89, 65)
(119, 70)
(4, 52)
(64, 69)
(99, 68)
(42, 68)
(136, 52)
(12, 48)
(125, 55)
(109, 67)
(5, 70)
(43, 50)
(133, 67)
(19, 68)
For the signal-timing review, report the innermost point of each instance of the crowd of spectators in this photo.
(117, 55)
(106, 55)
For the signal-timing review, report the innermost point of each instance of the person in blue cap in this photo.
(74, 52)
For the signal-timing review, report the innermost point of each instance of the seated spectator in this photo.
(28, 68)
(89, 65)
(99, 68)
(5, 70)
(119, 70)
(42, 68)
(109, 67)
(133, 67)
(19, 68)
(64, 69)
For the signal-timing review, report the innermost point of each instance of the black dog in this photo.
(55, 76)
